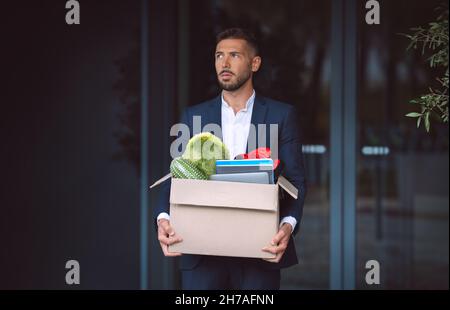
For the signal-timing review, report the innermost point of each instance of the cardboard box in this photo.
(225, 218)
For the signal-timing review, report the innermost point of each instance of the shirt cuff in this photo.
(290, 220)
(163, 215)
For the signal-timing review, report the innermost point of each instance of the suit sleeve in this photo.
(163, 204)
(291, 155)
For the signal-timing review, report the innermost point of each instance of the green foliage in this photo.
(203, 149)
(183, 169)
(433, 38)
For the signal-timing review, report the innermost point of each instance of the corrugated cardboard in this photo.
(225, 218)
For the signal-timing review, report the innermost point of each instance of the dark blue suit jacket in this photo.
(265, 111)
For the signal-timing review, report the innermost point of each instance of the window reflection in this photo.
(402, 200)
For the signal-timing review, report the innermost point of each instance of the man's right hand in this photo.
(166, 237)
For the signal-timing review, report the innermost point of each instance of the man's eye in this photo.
(218, 56)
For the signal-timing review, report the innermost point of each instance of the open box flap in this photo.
(282, 181)
(224, 194)
(169, 175)
(287, 186)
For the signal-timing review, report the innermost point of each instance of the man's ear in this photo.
(256, 63)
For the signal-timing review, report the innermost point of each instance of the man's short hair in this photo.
(239, 33)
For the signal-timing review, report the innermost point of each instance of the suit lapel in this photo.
(258, 114)
(215, 114)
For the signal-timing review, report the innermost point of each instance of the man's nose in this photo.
(225, 63)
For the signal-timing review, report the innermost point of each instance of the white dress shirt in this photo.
(235, 129)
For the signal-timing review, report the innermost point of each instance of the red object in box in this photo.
(261, 152)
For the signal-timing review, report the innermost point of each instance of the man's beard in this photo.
(235, 86)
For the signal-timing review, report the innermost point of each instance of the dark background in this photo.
(65, 195)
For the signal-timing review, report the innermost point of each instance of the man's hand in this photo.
(167, 236)
(279, 243)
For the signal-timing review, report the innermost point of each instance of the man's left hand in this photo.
(279, 243)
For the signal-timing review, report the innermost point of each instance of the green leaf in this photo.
(413, 114)
(418, 122)
(427, 121)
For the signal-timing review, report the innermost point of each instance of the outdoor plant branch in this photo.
(433, 38)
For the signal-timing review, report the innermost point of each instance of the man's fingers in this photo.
(166, 238)
(277, 246)
(278, 251)
(270, 249)
(167, 228)
(169, 240)
(166, 252)
(280, 235)
(273, 260)
(283, 234)
(275, 249)
(174, 239)
(276, 259)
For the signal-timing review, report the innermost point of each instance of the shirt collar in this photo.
(248, 104)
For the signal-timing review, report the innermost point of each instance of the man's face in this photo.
(235, 63)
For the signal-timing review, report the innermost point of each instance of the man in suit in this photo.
(236, 60)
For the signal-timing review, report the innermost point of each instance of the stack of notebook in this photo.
(245, 170)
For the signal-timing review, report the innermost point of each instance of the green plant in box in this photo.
(181, 168)
(203, 150)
